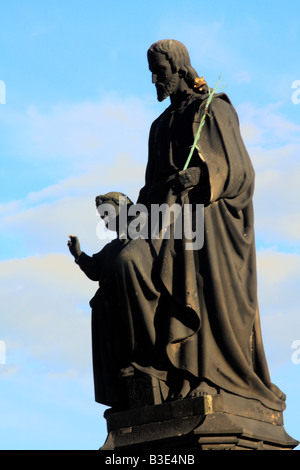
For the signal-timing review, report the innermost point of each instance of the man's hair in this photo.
(116, 197)
(178, 56)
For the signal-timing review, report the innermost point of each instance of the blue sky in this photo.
(79, 104)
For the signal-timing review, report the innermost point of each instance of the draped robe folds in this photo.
(214, 328)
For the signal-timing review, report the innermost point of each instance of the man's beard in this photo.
(164, 91)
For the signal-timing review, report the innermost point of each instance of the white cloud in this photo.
(45, 316)
(81, 134)
(273, 143)
(100, 147)
(42, 221)
(279, 299)
(271, 124)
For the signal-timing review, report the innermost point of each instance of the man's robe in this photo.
(213, 326)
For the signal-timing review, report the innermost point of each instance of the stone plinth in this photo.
(210, 422)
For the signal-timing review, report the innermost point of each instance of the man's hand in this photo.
(74, 246)
(187, 179)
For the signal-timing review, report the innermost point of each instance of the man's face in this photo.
(165, 80)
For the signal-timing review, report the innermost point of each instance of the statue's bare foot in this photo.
(185, 390)
(181, 393)
(203, 389)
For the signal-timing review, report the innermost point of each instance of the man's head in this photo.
(109, 206)
(169, 62)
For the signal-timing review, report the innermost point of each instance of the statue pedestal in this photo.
(210, 422)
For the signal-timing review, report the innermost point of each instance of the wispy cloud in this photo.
(45, 314)
(40, 223)
(62, 137)
(271, 124)
(86, 131)
(273, 142)
(279, 299)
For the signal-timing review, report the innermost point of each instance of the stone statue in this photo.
(186, 319)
